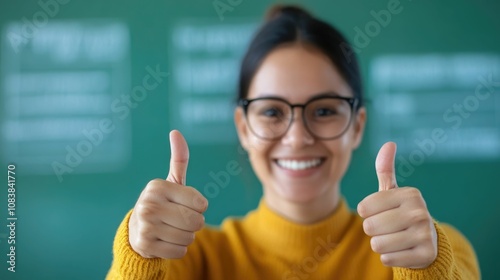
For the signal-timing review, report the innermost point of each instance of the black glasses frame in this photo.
(353, 102)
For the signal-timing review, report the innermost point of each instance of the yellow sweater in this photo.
(264, 245)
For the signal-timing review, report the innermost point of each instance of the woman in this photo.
(300, 116)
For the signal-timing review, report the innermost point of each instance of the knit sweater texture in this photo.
(265, 245)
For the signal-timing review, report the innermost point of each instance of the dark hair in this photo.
(288, 24)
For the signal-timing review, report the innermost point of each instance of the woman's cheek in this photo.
(260, 152)
(260, 148)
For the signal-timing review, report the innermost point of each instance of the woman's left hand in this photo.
(402, 230)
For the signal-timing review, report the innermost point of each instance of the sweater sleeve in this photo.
(456, 259)
(127, 264)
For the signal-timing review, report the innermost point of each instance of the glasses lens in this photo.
(328, 117)
(269, 118)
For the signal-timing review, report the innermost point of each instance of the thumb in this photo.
(179, 158)
(384, 165)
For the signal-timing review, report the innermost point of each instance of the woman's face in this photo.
(315, 167)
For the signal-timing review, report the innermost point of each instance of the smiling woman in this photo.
(300, 116)
(296, 72)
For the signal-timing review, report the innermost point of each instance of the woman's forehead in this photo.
(311, 96)
(297, 74)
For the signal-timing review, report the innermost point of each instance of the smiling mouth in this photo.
(299, 164)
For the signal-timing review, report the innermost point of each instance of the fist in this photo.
(167, 213)
(401, 229)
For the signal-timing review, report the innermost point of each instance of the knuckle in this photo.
(145, 230)
(198, 221)
(190, 238)
(145, 211)
(155, 183)
(200, 202)
(419, 215)
(422, 237)
(426, 237)
(191, 191)
(153, 190)
(424, 256)
(142, 244)
(413, 192)
(194, 193)
(142, 247)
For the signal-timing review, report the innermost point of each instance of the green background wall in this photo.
(65, 228)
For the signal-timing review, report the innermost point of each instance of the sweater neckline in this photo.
(275, 232)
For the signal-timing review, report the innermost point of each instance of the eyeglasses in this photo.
(325, 117)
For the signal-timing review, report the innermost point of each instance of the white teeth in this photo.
(298, 165)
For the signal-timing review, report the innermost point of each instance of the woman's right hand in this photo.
(167, 213)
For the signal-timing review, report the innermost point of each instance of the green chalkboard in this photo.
(91, 89)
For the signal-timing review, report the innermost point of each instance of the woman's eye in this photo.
(273, 112)
(323, 112)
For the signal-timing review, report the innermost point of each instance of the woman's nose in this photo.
(297, 135)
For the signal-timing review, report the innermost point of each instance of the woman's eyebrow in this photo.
(269, 95)
(325, 94)
(320, 94)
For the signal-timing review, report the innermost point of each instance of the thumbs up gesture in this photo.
(397, 219)
(167, 213)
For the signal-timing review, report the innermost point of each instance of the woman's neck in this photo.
(308, 212)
